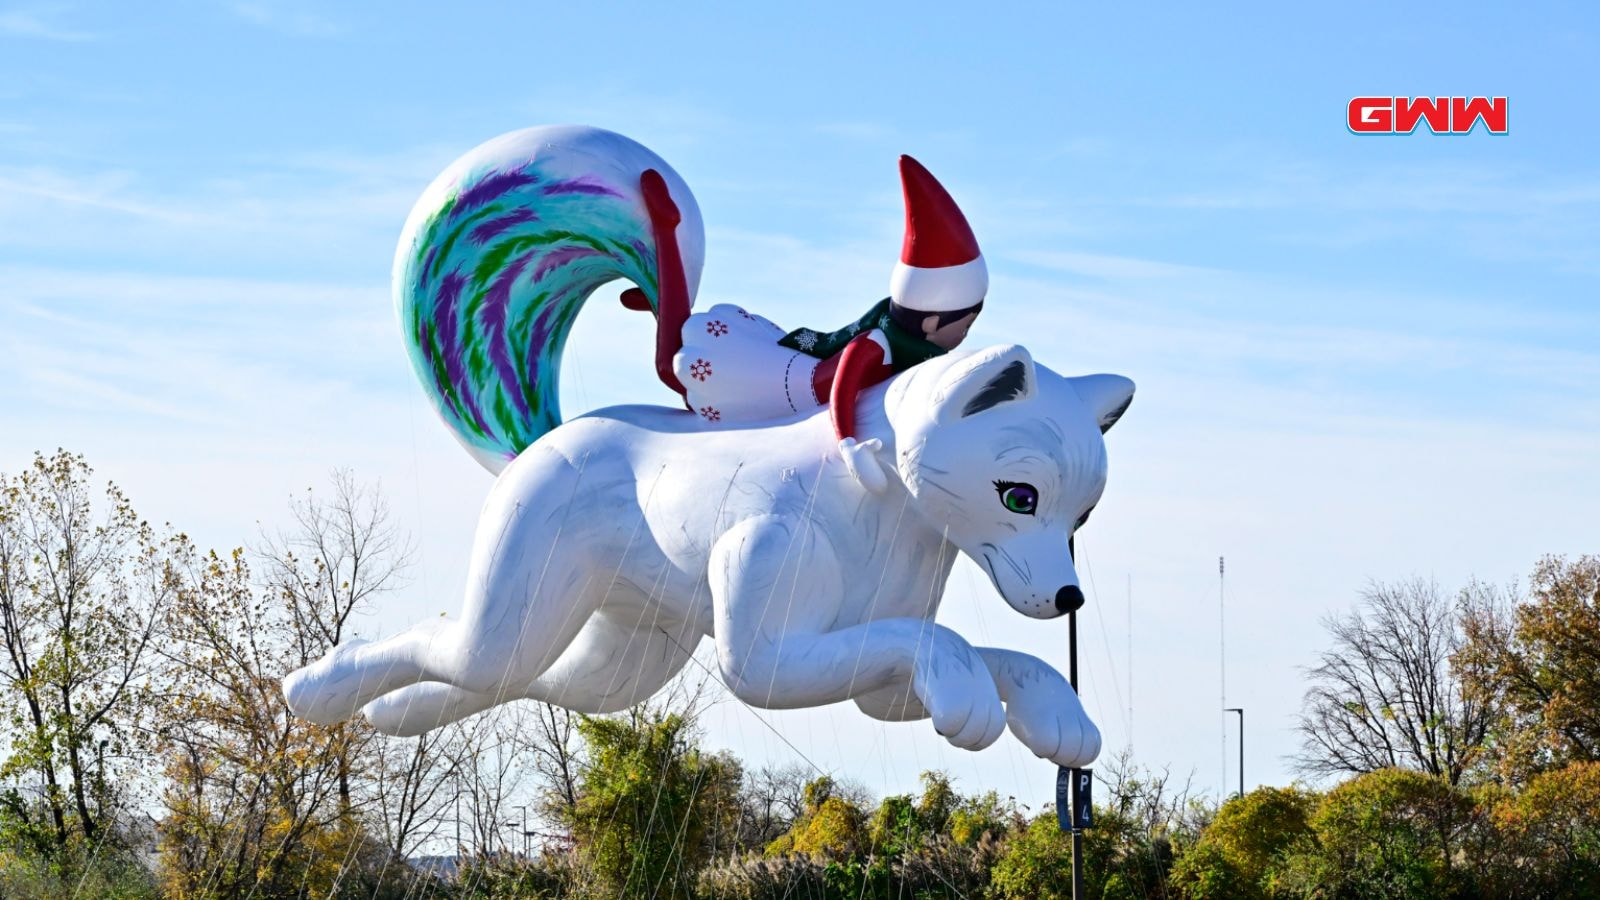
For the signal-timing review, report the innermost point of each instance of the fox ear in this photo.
(1107, 396)
(986, 379)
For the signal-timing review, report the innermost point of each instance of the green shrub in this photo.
(1036, 864)
(1208, 872)
(1548, 836)
(647, 801)
(1387, 835)
(837, 829)
(1240, 853)
(106, 874)
(984, 814)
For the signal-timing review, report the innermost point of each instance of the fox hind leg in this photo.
(417, 708)
(528, 596)
(610, 666)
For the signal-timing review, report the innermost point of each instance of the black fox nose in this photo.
(1069, 598)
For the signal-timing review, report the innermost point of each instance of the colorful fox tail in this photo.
(498, 257)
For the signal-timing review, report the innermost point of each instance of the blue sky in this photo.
(1358, 357)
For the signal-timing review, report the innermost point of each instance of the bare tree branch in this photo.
(1386, 693)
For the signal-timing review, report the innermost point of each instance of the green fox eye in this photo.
(1021, 499)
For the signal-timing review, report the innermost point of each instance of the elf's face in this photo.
(951, 334)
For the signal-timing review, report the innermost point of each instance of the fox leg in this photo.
(1042, 709)
(417, 708)
(597, 674)
(528, 595)
(895, 703)
(777, 590)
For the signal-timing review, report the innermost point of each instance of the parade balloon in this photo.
(812, 549)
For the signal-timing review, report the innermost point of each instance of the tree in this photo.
(1127, 854)
(981, 815)
(252, 791)
(1393, 833)
(490, 778)
(260, 801)
(773, 799)
(342, 554)
(412, 784)
(1145, 818)
(1386, 695)
(901, 823)
(1551, 835)
(648, 800)
(1035, 865)
(832, 821)
(1206, 871)
(1539, 659)
(1239, 852)
(83, 591)
(837, 828)
(553, 750)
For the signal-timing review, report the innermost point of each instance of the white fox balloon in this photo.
(613, 543)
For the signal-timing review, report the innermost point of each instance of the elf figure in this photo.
(733, 366)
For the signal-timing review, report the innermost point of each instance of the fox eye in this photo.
(1082, 519)
(1022, 499)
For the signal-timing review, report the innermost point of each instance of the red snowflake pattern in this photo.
(699, 370)
(711, 413)
(716, 328)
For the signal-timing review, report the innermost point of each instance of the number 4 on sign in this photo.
(1075, 799)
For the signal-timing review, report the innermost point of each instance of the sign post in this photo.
(1074, 787)
(1074, 799)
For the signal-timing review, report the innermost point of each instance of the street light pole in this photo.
(1240, 711)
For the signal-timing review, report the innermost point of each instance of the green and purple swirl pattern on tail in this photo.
(496, 261)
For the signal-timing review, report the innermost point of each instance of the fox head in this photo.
(1007, 459)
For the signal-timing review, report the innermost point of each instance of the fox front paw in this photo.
(961, 700)
(1045, 714)
(862, 461)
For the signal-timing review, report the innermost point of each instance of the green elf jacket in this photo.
(905, 349)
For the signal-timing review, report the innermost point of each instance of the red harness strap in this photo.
(672, 303)
(841, 377)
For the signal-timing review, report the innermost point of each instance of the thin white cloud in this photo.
(1494, 212)
(228, 355)
(284, 20)
(1434, 189)
(268, 214)
(871, 132)
(1101, 265)
(103, 191)
(35, 23)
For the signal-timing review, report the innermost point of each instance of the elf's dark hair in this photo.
(911, 319)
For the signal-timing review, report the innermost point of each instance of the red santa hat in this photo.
(940, 267)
